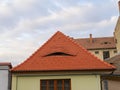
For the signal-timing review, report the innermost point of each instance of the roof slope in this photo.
(61, 53)
(116, 62)
(97, 43)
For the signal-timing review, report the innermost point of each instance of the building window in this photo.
(115, 51)
(43, 85)
(60, 84)
(96, 52)
(105, 83)
(59, 54)
(106, 54)
(105, 42)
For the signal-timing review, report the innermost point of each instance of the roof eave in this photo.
(84, 70)
(100, 48)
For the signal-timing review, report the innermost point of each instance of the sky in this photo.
(25, 25)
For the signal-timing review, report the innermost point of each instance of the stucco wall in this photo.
(100, 54)
(113, 85)
(78, 82)
(117, 34)
(3, 79)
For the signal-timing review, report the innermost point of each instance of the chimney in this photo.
(91, 40)
(119, 7)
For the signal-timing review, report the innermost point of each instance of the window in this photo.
(59, 54)
(106, 54)
(115, 51)
(66, 85)
(51, 84)
(43, 85)
(107, 43)
(60, 84)
(96, 52)
(105, 83)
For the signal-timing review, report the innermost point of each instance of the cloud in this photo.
(26, 24)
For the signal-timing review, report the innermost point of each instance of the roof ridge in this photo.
(82, 47)
(78, 45)
(27, 59)
(72, 40)
(96, 37)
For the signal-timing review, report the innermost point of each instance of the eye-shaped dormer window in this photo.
(58, 54)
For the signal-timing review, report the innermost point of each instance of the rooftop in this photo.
(97, 43)
(61, 53)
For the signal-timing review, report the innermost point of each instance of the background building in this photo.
(5, 76)
(103, 47)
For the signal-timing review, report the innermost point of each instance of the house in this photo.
(5, 76)
(112, 81)
(60, 64)
(102, 47)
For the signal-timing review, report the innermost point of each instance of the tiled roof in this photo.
(61, 53)
(116, 62)
(97, 43)
(5, 64)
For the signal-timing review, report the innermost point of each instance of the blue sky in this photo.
(26, 24)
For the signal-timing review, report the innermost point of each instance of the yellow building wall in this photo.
(100, 54)
(117, 34)
(78, 82)
(118, 41)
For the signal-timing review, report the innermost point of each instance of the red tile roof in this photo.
(97, 43)
(73, 57)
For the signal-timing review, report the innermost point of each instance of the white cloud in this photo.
(26, 24)
(5, 11)
(23, 4)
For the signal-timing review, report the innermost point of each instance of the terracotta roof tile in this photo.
(97, 43)
(62, 53)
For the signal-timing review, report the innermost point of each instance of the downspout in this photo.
(9, 80)
(16, 82)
